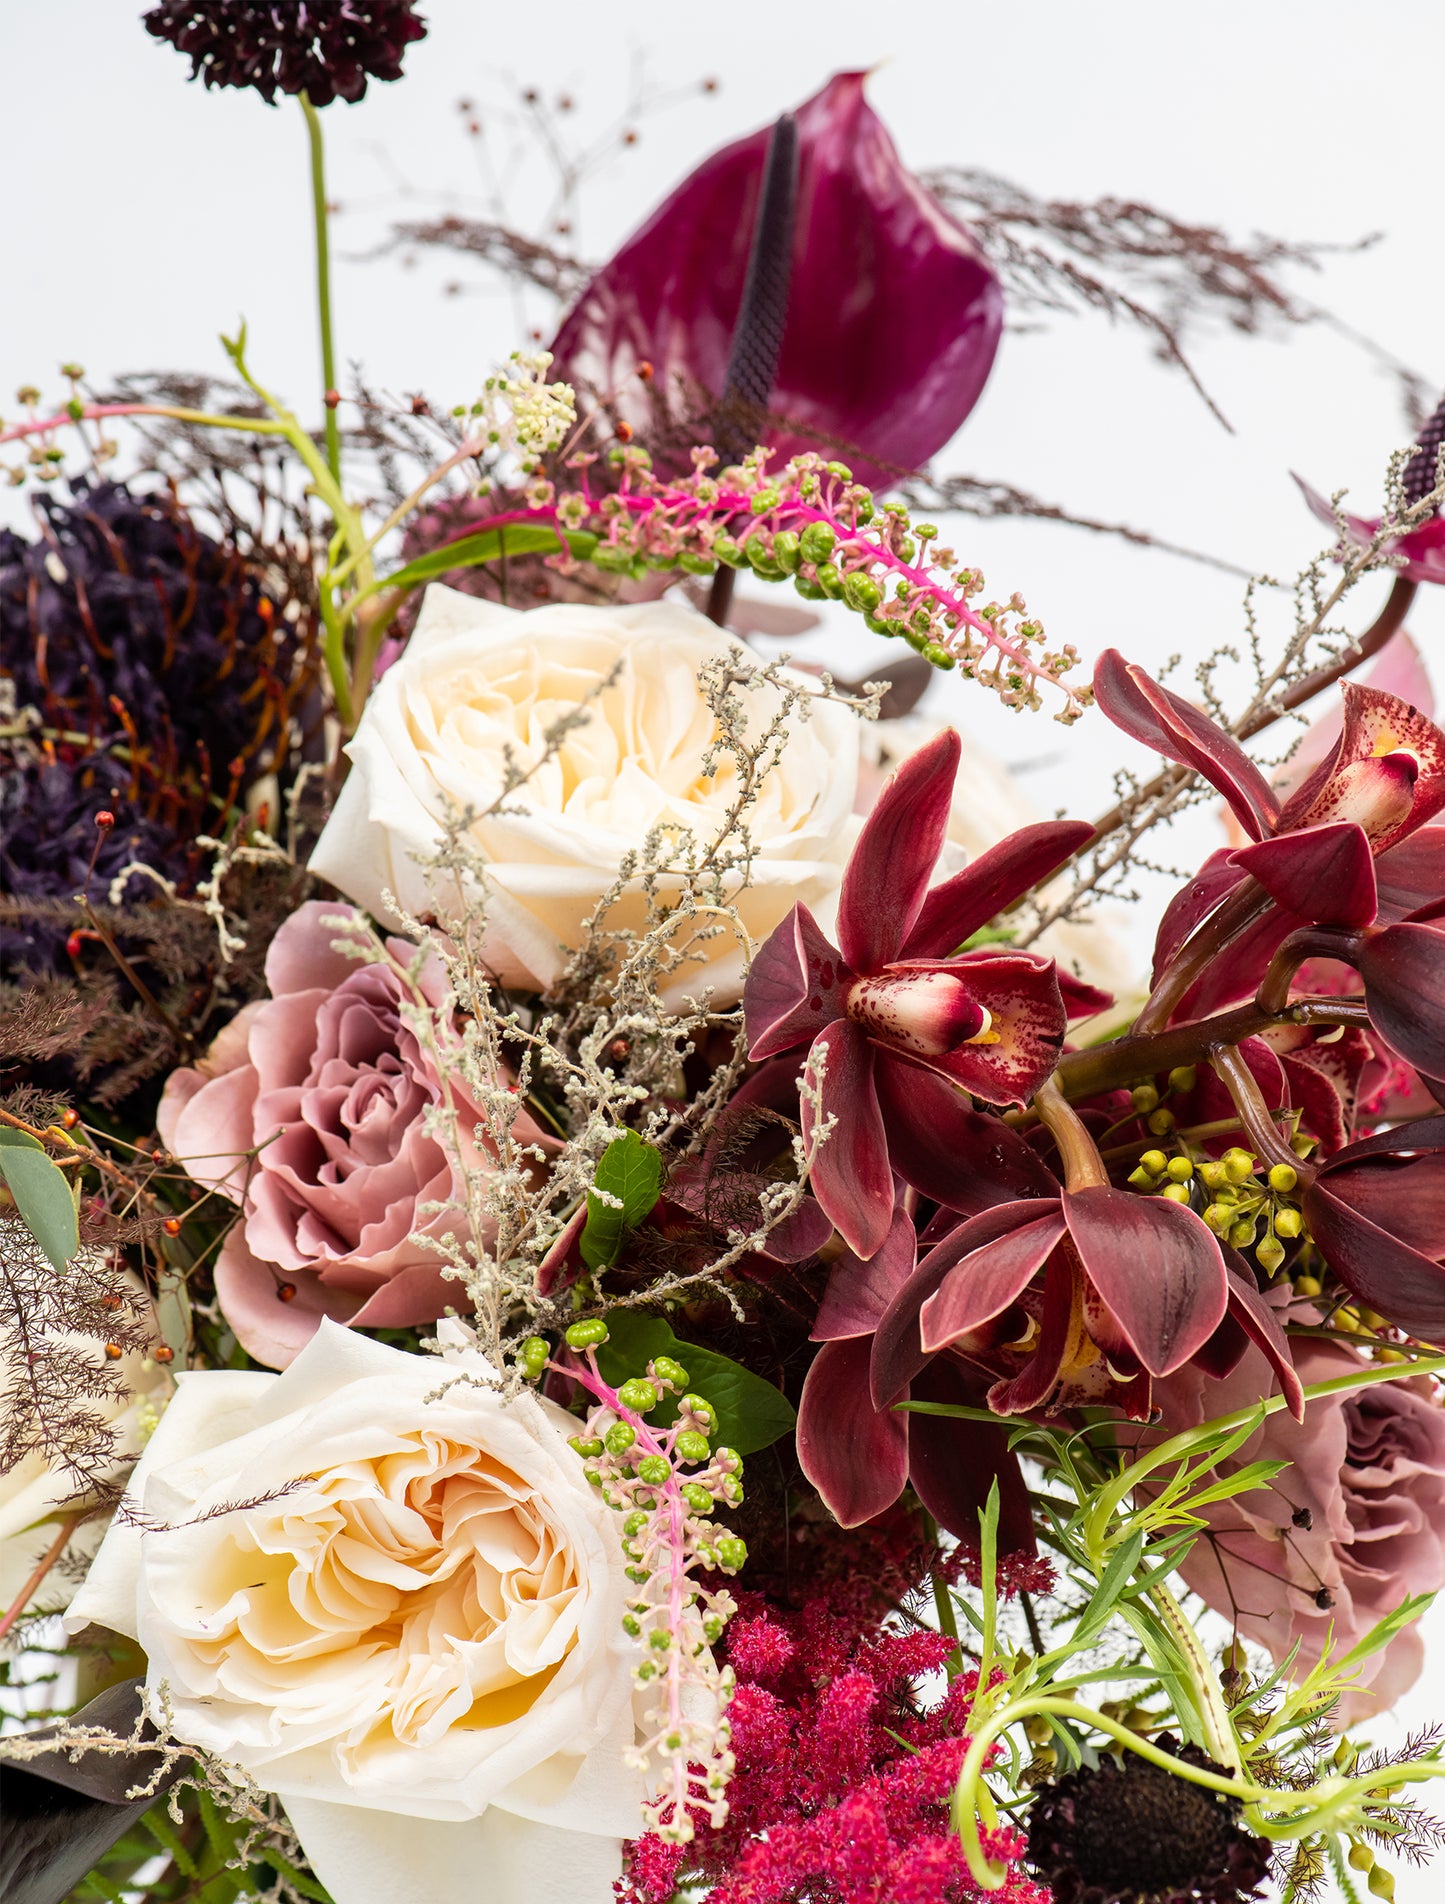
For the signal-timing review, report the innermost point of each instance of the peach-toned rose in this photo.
(479, 686)
(399, 1608)
(1353, 1526)
(309, 1111)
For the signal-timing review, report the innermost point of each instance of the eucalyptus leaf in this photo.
(631, 1171)
(42, 1195)
(751, 1413)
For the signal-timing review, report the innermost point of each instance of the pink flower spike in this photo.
(888, 873)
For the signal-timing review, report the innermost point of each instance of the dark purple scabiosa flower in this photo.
(327, 49)
(126, 626)
(1131, 1833)
(892, 313)
(904, 1018)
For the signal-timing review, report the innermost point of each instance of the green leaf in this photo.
(751, 1413)
(41, 1193)
(467, 552)
(631, 1171)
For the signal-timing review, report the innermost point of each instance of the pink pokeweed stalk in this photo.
(812, 523)
(669, 1538)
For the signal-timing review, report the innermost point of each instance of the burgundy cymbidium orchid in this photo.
(1350, 848)
(902, 1019)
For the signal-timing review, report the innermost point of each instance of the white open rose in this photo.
(38, 1497)
(478, 684)
(389, 1608)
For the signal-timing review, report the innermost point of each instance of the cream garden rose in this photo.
(398, 1608)
(478, 682)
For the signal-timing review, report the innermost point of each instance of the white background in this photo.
(143, 215)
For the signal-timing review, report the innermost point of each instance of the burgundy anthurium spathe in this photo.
(1351, 845)
(893, 313)
(1423, 548)
(1075, 1300)
(901, 1019)
(1377, 1210)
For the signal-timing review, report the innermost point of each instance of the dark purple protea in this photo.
(126, 626)
(327, 49)
(52, 849)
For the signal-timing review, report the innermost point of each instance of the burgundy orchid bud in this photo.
(892, 312)
(927, 1012)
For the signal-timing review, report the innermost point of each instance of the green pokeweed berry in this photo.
(817, 542)
(587, 1335)
(639, 1397)
(692, 1446)
(620, 1437)
(654, 1469)
(731, 1553)
(787, 550)
(666, 1370)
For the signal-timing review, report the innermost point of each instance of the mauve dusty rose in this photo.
(309, 1113)
(1358, 1515)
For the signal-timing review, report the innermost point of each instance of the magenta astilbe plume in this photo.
(904, 1018)
(327, 49)
(893, 314)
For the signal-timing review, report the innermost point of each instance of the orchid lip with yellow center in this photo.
(930, 1013)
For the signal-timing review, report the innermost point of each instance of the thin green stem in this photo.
(323, 282)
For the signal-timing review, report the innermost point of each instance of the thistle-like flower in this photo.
(1132, 1833)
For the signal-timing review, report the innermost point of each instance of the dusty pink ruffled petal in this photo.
(893, 313)
(270, 1330)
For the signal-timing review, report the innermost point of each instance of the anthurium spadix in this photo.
(893, 313)
(900, 1016)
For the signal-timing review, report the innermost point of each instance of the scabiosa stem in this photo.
(323, 284)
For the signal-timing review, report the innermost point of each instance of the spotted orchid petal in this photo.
(854, 1454)
(851, 1177)
(1020, 992)
(893, 314)
(1167, 723)
(1325, 874)
(796, 985)
(1387, 771)
(957, 907)
(887, 875)
(1156, 1266)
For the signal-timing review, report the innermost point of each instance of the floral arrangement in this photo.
(603, 1289)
